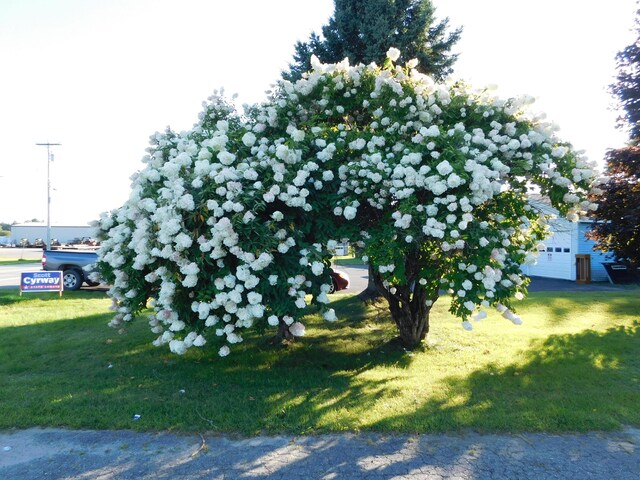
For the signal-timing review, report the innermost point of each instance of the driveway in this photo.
(62, 454)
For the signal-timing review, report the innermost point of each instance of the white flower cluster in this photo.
(232, 223)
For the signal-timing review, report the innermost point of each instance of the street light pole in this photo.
(48, 145)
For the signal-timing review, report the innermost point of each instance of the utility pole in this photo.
(49, 159)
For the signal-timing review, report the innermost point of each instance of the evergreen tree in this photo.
(619, 202)
(363, 31)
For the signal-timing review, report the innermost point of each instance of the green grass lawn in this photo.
(19, 261)
(347, 260)
(573, 366)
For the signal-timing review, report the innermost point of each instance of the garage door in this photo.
(556, 261)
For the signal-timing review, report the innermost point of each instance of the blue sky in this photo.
(101, 77)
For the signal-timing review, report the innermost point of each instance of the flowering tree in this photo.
(231, 225)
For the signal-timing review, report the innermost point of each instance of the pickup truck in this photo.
(71, 263)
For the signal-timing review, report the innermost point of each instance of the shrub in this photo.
(231, 225)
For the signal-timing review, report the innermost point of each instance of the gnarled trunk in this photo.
(409, 310)
(412, 320)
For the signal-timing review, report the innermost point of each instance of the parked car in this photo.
(71, 263)
(339, 280)
(24, 243)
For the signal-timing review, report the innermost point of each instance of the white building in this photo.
(64, 233)
(567, 250)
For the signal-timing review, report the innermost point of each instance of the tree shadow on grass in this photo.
(365, 337)
(82, 374)
(581, 382)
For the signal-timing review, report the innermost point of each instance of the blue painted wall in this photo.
(598, 273)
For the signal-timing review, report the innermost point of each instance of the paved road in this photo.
(10, 274)
(17, 253)
(60, 454)
(358, 276)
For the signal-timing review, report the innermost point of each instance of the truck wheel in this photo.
(71, 279)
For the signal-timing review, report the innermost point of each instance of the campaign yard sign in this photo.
(41, 282)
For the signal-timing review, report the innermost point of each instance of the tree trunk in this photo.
(409, 310)
(372, 292)
(283, 333)
(412, 322)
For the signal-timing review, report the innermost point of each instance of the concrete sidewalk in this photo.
(73, 455)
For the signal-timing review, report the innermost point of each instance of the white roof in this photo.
(43, 224)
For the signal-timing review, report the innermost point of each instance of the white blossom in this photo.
(330, 315)
(249, 139)
(297, 329)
